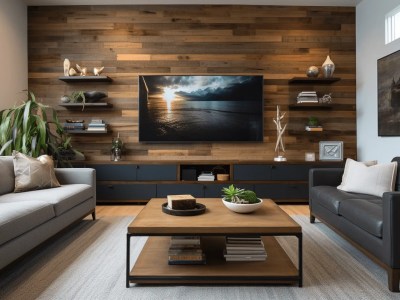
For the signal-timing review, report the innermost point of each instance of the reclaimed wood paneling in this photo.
(278, 42)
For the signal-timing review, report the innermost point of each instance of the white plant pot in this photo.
(242, 208)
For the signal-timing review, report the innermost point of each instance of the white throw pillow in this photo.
(373, 179)
(346, 169)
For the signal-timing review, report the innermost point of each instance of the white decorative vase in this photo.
(67, 65)
(328, 67)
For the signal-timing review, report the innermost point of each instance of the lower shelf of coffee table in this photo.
(152, 265)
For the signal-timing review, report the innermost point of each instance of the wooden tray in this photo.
(200, 208)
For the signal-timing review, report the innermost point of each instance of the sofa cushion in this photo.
(7, 175)
(19, 217)
(63, 198)
(366, 214)
(33, 173)
(373, 180)
(330, 197)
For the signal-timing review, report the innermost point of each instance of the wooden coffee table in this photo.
(151, 267)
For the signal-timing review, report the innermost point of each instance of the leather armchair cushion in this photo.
(366, 214)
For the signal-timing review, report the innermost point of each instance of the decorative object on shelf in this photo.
(326, 99)
(312, 71)
(72, 72)
(307, 97)
(116, 149)
(67, 65)
(97, 70)
(328, 67)
(389, 95)
(82, 70)
(279, 146)
(240, 200)
(78, 97)
(94, 96)
(309, 156)
(65, 99)
(331, 150)
(313, 124)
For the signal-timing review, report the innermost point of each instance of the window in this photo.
(392, 25)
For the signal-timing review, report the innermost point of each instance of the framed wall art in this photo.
(331, 150)
(389, 95)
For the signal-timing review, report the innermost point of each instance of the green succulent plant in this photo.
(237, 195)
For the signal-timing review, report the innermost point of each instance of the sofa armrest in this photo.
(391, 228)
(76, 175)
(325, 176)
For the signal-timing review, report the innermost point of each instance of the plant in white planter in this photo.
(240, 200)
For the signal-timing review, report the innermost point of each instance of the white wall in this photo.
(13, 52)
(371, 46)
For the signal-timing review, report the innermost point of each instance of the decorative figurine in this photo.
(72, 72)
(279, 147)
(328, 67)
(67, 65)
(83, 70)
(327, 98)
(97, 71)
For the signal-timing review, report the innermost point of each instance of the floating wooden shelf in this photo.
(85, 78)
(76, 131)
(316, 80)
(309, 106)
(89, 105)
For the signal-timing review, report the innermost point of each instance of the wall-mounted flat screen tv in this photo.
(200, 108)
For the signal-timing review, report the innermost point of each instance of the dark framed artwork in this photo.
(389, 95)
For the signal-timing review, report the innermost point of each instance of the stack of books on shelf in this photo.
(247, 248)
(97, 125)
(314, 128)
(71, 125)
(307, 97)
(185, 250)
(206, 176)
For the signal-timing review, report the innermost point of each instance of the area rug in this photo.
(88, 262)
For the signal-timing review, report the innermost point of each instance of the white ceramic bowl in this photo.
(242, 208)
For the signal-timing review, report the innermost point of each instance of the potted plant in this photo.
(26, 128)
(240, 200)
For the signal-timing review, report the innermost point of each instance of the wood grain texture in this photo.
(278, 42)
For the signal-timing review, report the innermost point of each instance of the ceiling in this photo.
(152, 2)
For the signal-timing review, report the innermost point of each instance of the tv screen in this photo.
(200, 108)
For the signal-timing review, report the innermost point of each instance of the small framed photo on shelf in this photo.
(331, 150)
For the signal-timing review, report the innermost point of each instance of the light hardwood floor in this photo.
(133, 210)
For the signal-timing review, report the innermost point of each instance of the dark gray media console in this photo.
(132, 182)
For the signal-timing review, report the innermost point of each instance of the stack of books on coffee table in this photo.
(247, 248)
(185, 250)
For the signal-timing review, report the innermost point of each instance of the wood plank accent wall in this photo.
(278, 42)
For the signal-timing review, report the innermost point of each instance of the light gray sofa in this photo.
(28, 219)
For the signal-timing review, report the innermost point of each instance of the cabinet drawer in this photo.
(156, 172)
(115, 172)
(117, 192)
(251, 172)
(290, 172)
(282, 191)
(196, 190)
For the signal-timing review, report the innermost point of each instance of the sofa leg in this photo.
(94, 215)
(393, 279)
(312, 218)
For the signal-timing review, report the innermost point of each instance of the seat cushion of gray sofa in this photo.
(22, 216)
(366, 214)
(330, 197)
(63, 198)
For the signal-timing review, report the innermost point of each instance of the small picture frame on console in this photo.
(331, 150)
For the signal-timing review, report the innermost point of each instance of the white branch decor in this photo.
(279, 146)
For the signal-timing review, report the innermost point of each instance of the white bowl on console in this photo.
(242, 208)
